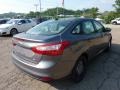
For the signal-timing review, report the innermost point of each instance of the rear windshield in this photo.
(49, 27)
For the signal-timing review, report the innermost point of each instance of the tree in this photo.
(11, 15)
(54, 12)
(91, 12)
(108, 16)
(31, 15)
(94, 12)
(117, 5)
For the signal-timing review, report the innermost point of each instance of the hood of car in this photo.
(5, 25)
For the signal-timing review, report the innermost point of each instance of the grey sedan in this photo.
(58, 48)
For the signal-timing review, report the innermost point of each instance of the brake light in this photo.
(51, 49)
(46, 79)
(14, 41)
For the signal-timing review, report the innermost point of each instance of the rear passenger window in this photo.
(88, 27)
(98, 26)
(23, 21)
(76, 30)
(28, 21)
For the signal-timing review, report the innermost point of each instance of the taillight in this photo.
(51, 49)
(46, 79)
(14, 41)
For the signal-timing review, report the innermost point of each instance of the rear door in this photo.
(22, 26)
(29, 24)
(84, 39)
(104, 36)
(91, 37)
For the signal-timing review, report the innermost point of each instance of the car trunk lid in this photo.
(23, 43)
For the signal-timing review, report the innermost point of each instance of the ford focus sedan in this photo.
(57, 48)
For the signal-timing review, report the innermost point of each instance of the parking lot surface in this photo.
(103, 72)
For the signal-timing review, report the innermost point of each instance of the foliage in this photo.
(11, 15)
(33, 14)
(56, 12)
(89, 13)
(108, 16)
(117, 5)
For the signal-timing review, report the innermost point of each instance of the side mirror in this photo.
(107, 29)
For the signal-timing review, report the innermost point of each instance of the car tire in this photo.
(13, 32)
(114, 23)
(108, 46)
(79, 70)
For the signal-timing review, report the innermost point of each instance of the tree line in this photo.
(55, 12)
(88, 13)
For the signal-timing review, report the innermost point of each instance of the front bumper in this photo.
(3, 32)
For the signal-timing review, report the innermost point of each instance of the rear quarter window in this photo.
(28, 21)
(77, 29)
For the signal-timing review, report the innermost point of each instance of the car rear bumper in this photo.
(32, 70)
(54, 71)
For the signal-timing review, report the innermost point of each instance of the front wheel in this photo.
(13, 32)
(79, 70)
(114, 23)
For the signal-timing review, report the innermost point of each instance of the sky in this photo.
(24, 6)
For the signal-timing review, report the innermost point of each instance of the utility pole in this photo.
(63, 4)
(36, 6)
(40, 7)
(57, 12)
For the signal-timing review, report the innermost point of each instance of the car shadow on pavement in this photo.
(5, 37)
(100, 72)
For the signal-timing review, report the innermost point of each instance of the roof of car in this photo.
(19, 19)
(4, 19)
(74, 19)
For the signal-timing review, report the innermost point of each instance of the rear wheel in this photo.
(79, 70)
(13, 32)
(109, 46)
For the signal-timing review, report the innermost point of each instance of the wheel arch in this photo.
(74, 73)
(115, 22)
(14, 29)
(83, 54)
(86, 55)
